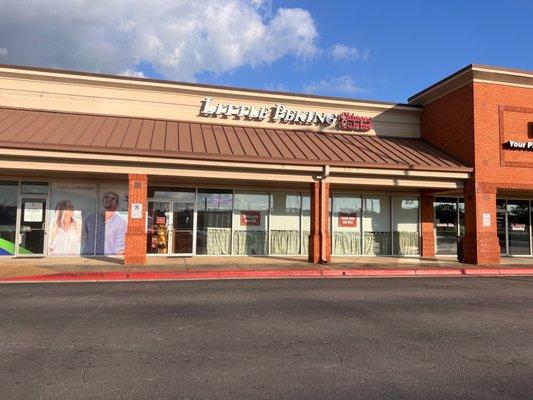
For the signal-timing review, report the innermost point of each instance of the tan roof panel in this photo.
(50, 130)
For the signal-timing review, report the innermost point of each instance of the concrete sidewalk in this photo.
(207, 267)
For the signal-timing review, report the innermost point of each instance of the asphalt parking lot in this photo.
(444, 338)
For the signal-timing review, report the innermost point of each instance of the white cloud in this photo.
(3, 51)
(341, 52)
(342, 85)
(178, 38)
(133, 73)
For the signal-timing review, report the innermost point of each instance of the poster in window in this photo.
(111, 220)
(33, 212)
(347, 220)
(72, 205)
(518, 227)
(250, 218)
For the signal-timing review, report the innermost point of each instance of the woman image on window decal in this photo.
(65, 230)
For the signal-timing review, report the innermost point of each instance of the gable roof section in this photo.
(49, 130)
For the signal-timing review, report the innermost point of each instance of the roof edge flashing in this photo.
(469, 74)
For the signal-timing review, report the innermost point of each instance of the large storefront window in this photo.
(501, 224)
(250, 223)
(346, 224)
(85, 218)
(405, 225)
(377, 225)
(285, 233)
(214, 222)
(111, 219)
(72, 219)
(8, 217)
(514, 226)
(372, 215)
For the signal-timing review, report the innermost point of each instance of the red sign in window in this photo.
(347, 220)
(250, 218)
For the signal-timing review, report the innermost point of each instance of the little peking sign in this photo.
(280, 113)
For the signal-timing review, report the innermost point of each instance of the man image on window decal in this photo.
(110, 227)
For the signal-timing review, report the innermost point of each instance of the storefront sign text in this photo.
(280, 113)
(517, 145)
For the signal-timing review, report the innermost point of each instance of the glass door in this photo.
(446, 225)
(32, 226)
(518, 225)
(158, 226)
(182, 228)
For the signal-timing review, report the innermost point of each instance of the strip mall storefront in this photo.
(95, 165)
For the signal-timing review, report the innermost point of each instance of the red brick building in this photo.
(99, 165)
(473, 115)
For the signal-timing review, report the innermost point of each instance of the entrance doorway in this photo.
(171, 226)
(449, 224)
(32, 226)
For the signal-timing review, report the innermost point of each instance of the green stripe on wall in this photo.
(10, 247)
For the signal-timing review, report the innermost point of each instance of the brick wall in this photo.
(515, 106)
(448, 123)
(471, 124)
(320, 236)
(136, 234)
(427, 248)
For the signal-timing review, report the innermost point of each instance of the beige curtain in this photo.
(218, 241)
(377, 243)
(249, 243)
(346, 243)
(305, 242)
(284, 242)
(406, 243)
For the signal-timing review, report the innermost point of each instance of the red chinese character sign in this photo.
(351, 122)
(347, 220)
(250, 218)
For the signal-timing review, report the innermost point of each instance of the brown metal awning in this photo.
(49, 130)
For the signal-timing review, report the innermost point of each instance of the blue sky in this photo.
(410, 44)
(379, 50)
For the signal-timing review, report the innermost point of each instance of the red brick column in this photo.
(320, 237)
(314, 235)
(427, 225)
(481, 246)
(136, 234)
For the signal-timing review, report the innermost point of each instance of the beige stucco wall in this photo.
(70, 92)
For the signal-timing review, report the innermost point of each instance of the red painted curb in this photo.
(303, 273)
(306, 273)
(481, 271)
(437, 272)
(368, 272)
(110, 276)
(516, 271)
